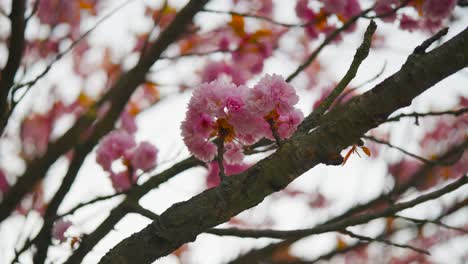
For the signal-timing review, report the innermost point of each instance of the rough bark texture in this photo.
(340, 128)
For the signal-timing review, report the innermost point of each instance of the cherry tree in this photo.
(208, 121)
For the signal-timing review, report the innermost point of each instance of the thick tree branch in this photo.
(340, 128)
(15, 53)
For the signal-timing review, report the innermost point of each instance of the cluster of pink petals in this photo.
(35, 134)
(4, 186)
(60, 227)
(120, 145)
(53, 12)
(273, 95)
(238, 115)
(431, 13)
(213, 179)
(343, 9)
(403, 170)
(216, 69)
(438, 9)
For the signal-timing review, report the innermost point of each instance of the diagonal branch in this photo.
(361, 53)
(15, 53)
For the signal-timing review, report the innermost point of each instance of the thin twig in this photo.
(92, 201)
(327, 41)
(435, 222)
(417, 115)
(361, 53)
(267, 19)
(380, 141)
(385, 241)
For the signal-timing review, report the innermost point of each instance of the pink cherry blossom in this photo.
(60, 227)
(303, 11)
(121, 181)
(127, 122)
(213, 70)
(35, 134)
(403, 170)
(233, 153)
(386, 7)
(352, 8)
(271, 93)
(113, 146)
(438, 9)
(218, 109)
(213, 179)
(238, 114)
(334, 6)
(144, 156)
(409, 23)
(4, 186)
(288, 123)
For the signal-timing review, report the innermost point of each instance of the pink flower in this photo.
(121, 181)
(409, 23)
(385, 7)
(334, 6)
(35, 134)
(213, 180)
(303, 11)
(353, 8)
(438, 9)
(144, 156)
(4, 186)
(403, 170)
(216, 109)
(222, 110)
(112, 147)
(233, 153)
(60, 227)
(127, 122)
(266, 8)
(431, 25)
(272, 92)
(288, 123)
(213, 70)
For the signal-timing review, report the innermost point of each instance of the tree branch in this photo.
(361, 53)
(417, 115)
(15, 54)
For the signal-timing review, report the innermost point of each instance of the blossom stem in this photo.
(271, 122)
(219, 158)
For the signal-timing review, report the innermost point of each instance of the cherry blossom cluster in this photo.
(221, 111)
(53, 12)
(120, 145)
(319, 19)
(429, 15)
